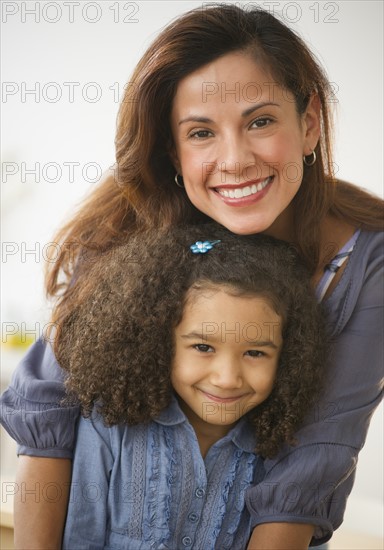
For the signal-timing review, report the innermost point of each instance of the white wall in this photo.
(43, 54)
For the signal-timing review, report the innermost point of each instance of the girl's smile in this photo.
(222, 399)
(239, 143)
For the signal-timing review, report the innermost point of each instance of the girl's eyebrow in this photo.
(213, 337)
(263, 343)
(244, 114)
(194, 335)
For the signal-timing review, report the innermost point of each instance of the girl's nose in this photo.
(227, 375)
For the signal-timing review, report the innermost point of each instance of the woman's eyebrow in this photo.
(254, 108)
(196, 118)
(244, 114)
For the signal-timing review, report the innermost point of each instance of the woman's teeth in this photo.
(244, 191)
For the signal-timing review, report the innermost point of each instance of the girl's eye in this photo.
(200, 134)
(255, 353)
(203, 348)
(262, 122)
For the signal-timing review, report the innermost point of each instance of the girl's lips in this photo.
(244, 194)
(221, 399)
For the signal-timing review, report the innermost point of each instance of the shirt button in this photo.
(238, 454)
(193, 517)
(200, 492)
(187, 541)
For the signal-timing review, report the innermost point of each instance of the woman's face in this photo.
(239, 144)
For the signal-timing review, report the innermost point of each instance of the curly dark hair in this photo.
(117, 344)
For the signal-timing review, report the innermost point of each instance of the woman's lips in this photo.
(245, 193)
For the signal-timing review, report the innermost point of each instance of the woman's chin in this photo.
(243, 226)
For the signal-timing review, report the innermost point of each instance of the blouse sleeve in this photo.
(30, 408)
(310, 482)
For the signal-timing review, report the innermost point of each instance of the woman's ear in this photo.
(174, 158)
(311, 124)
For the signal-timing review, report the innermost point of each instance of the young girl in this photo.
(202, 351)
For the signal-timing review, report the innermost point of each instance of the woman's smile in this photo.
(246, 193)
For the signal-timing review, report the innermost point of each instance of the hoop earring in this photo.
(311, 161)
(177, 180)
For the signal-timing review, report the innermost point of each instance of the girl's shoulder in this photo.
(94, 427)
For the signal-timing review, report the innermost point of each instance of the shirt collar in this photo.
(172, 415)
(242, 435)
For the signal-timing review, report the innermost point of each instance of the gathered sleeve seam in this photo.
(292, 518)
(23, 397)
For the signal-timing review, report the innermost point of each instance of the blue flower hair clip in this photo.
(200, 247)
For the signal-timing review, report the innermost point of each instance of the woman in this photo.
(231, 122)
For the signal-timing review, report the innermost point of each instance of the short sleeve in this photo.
(31, 409)
(310, 482)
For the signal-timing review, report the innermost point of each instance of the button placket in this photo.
(194, 516)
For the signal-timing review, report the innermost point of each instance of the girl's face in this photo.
(226, 356)
(239, 144)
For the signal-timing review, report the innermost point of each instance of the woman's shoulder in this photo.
(362, 281)
(367, 255)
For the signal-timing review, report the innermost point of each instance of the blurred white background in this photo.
(64, 66)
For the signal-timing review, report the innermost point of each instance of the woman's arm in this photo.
(45, 433)
(40, 502)
(284, 536)
(31, 410)
(309, 483)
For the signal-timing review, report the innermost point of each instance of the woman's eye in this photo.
(200, 134)
(203, 348)
(255, 353)
(261, 122)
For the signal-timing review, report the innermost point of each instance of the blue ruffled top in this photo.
(148, 487)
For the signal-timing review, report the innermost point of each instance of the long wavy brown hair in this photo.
(142, 192)
(117, 343)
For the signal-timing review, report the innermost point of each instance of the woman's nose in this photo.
(234, 159)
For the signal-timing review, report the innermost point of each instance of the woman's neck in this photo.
(283, 227)
(334, 233)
